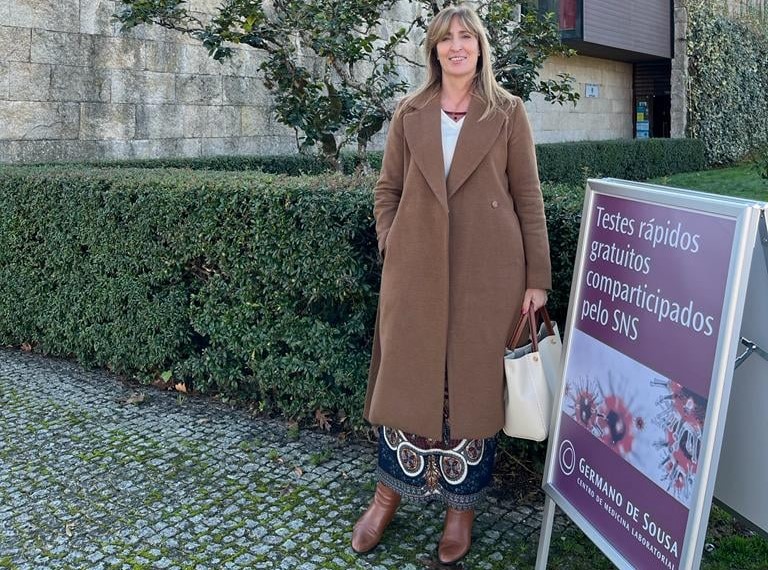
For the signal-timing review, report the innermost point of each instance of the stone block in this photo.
(4, 80)
(244, 91)
(21, 152)
(174, 147)
(222, 121)
(223, 146)
(244, 62)
(104, 121)
(256, 121)
(156, 34)
(159, 122)
(118, 53)
(162, 56)
(248, 145)
(96, 17)
(61, 48)
(194, 59)
(194, 118)
(29, 81)
(14, 43)
(552, 120)
(32, 120)
(61, 15)
(81, 84)
(205, 6)
(621, 106)
(130, 86)
(205, 89)
(145, 148)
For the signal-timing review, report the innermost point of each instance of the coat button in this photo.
(494, 204)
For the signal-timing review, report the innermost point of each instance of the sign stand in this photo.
(652, 338)
(743, 471)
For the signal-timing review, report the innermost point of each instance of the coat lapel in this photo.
(475, 140)
(422, 132)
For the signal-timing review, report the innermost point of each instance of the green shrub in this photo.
(247, 284)
(574, 162)
(290, 164)
(561, 163)
(728, 80)
(761, 163)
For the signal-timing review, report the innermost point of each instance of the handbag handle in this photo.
(530, 318)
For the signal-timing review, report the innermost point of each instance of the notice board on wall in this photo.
(650, 343)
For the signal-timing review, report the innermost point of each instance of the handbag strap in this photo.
(530, 318)
(547, 321)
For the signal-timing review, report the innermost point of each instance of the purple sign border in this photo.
(724, 207)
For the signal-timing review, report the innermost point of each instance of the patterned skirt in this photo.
(454, 471)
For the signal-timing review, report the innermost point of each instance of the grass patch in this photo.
(731, 546)
(742, 181)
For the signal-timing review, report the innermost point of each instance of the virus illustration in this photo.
(682, 421)
(582, 401)
(617, 424)
(605, 413)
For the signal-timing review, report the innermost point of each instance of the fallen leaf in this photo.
(323, 419)
(181, 387)
(26, 347)
(298, 471)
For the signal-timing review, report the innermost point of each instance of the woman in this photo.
(461, 229)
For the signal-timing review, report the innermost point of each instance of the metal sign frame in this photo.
(745, 215)
(741, 477)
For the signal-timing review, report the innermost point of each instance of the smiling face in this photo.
(457, 51)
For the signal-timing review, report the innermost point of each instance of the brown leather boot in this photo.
(369, 527)
(457, 536)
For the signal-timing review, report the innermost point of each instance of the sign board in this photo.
(642, 122)
(657, 295)
(743, 471)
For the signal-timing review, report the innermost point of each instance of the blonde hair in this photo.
(484, 83)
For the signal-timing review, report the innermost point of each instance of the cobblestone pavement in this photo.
(89, 481)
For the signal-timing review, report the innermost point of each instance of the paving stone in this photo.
(89, 482)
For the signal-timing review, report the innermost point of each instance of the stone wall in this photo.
(73, 87)
(606, 116)
(679, 76)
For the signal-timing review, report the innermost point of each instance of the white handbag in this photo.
(531, 374)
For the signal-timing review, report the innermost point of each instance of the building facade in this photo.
(74, 87)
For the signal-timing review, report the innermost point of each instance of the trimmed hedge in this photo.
(250, 285)
(574, 162)
(564, 163)
(290, 164)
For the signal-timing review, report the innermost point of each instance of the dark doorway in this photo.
(651, 97)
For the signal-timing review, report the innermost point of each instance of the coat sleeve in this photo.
(523, 178)
(389, 186)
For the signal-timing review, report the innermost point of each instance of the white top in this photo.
(450, 131)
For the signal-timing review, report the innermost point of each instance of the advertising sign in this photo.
(642, 122)
(648, 314)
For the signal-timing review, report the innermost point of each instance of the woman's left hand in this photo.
(536, 296)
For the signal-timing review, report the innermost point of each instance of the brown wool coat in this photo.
(458, 254)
